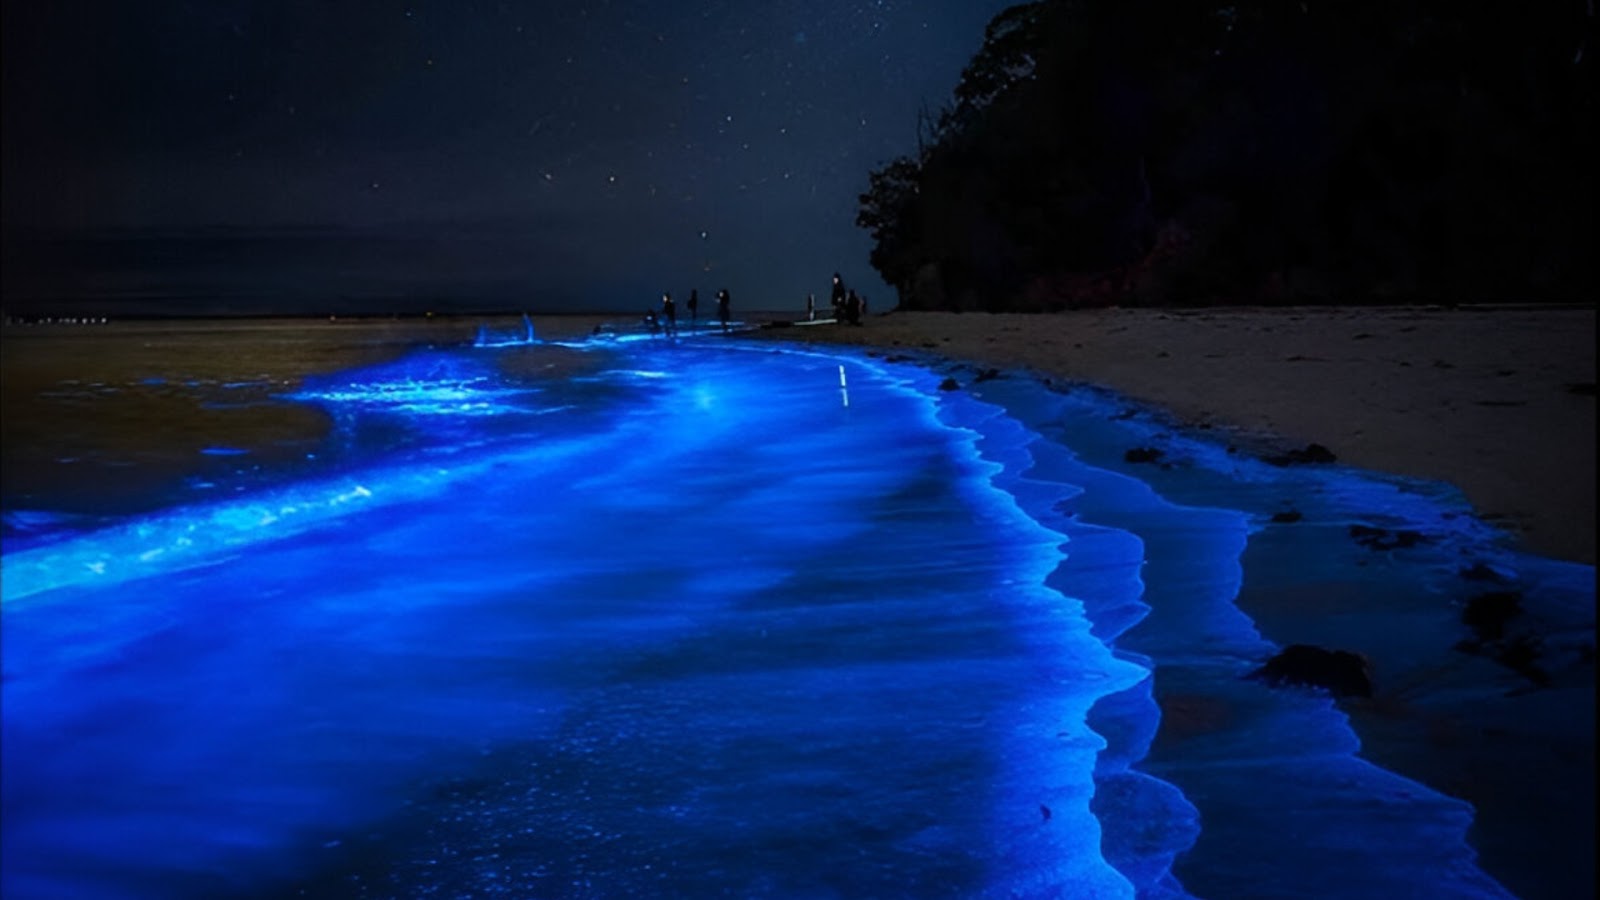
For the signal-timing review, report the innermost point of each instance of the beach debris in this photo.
(1520, 653)
(1384, 539)
(1313, 453)
(1482, 571)
(1287, 516)
(949, 384)
(1487, 614)
(1142, 455)
(1340, 672)
(1502, 632)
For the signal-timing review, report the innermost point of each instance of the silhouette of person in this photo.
(694, 307)
(669, 313)
(652, 322)
(722, 308)
(811, 307)
(852, 308)
(837, 298)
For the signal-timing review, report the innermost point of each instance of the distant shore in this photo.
(1496, 401)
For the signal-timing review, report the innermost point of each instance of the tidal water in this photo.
(692, 618)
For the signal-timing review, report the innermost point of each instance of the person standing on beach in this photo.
(669, 314)
(837, 299)
(811, 307)
(651, 322)
(694, 307)
(722, 308)
(852, 308)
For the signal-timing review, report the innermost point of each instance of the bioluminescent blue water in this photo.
(695, 620)
(683, 625)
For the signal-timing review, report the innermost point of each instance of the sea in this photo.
(306, 609)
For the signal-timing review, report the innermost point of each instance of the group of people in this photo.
(847, 305)
(668, 317)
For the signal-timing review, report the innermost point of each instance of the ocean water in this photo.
(693, 618)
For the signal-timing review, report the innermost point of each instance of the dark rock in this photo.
(1142, 455)
(949, 384)
(1487, 614)
(1482, 572)
(1313, 453)
(1521, 655)
(1342, 673)
(1287, 516)
(987, 375)
(1384, 539)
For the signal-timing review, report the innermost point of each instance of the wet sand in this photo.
(1498, 402)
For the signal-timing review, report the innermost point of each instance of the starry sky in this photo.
(586, 153)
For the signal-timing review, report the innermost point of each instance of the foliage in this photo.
(1163, 151)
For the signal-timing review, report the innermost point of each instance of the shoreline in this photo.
(1462, 724)
(1457, 722)
(1497, 402)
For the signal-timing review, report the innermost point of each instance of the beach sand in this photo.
(1498, 402)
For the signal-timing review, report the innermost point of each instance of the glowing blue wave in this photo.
(713, 614)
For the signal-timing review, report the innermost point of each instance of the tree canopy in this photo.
(1162, 152)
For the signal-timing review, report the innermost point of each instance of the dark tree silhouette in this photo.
(1160, 151)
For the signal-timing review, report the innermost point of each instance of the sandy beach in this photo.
(1498, 402)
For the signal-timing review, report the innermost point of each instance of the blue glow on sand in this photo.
(681, 624)
(488, 337)
(705, 630)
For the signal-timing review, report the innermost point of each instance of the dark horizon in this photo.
(607, 152)
(316, 270)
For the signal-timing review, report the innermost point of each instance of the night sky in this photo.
(592, 154)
